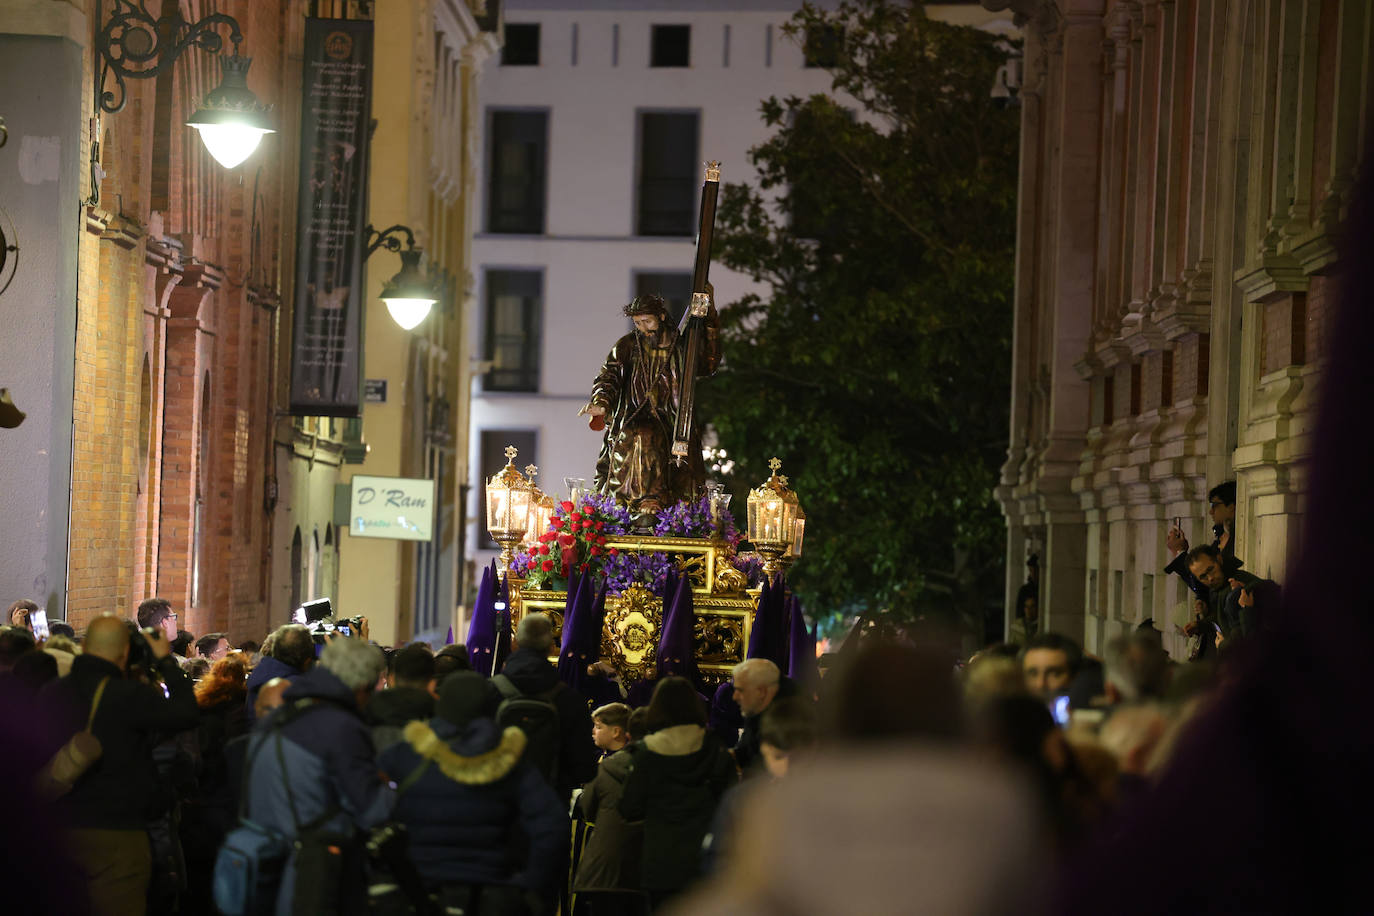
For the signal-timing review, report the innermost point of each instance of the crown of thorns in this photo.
(652, 304)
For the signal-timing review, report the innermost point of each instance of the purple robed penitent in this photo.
(481, 641)
(579, 645)
(801, 645)
(676, 646)
(768, 638)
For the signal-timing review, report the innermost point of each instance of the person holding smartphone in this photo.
(1221, 508)
(20, 613)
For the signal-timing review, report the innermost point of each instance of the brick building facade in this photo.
(177, 311)
(1184, 176)
(149, 340)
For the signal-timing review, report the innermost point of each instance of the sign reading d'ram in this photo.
(399, 508)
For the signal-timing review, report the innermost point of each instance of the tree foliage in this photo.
(877, 365)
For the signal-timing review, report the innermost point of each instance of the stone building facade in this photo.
(1185, 170)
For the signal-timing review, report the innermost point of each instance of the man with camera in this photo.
(110, 804)
(313, 779)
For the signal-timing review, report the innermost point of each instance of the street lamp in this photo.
(772, 513)
(135, 44)
(230, 120)
(410, 294)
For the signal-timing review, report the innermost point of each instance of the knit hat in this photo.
(465, 696)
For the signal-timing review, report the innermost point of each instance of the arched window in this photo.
(296, 570)
(329, 565)
(312, 569)
(145, 423)
(202, 488)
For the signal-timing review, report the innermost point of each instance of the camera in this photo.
(141, 658)
(318, 616)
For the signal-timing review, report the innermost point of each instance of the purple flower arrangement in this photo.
(692, 519)
(751, 564)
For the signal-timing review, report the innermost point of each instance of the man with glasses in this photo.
(158, 613)
(1221, 508)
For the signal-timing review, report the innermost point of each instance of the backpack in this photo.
(536, 716)
(249, 863)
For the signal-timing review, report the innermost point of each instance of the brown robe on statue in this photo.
(638, 386)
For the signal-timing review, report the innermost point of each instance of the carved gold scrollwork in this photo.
(693, 566)
(633, 622)
(729, 581)
(719, 640)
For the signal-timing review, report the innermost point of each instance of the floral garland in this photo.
(577, 536)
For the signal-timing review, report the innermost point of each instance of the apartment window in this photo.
(514, 314)
(519, 150)
(493, 459)
(670, 46)
(822, 46)
(674, 286)
(522, 45)
(667, 173)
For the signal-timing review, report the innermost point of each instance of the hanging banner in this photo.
(336, 114)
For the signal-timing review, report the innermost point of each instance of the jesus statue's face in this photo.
(646, 324)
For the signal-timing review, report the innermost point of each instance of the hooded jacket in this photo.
(462, 814)
(610, 861)
(532, 675)
(677, 777)
(391, 710)
(265, 670)
(329, 766)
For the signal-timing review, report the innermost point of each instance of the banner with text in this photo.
(401, 508)
(336, 114)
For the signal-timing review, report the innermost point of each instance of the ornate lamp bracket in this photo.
(389, 239)
(135, 44)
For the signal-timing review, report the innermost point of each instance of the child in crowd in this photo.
(607, 882)
(786, 729)
(610, 728)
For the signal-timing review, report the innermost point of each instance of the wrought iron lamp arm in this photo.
(135, 44)
(388, 239)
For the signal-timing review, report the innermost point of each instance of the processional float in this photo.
(650, 512)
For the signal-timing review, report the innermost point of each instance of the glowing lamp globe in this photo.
(230, 121)
(409, 295)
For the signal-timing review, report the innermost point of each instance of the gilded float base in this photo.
(724, 610)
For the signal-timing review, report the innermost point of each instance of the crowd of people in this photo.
(403, 781)
(347, 777)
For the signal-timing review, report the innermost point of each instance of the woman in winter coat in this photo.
(210, 813)
(677, 777)
(473, 805)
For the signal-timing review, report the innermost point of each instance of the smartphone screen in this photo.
(1059, 708)
(39, 620)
